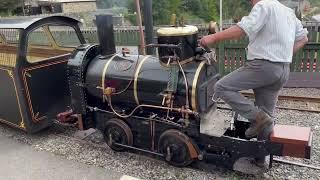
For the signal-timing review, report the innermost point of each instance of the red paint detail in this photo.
(66, 117)
(112, 83)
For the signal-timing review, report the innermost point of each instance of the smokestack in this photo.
(104, 24)
(148, 23)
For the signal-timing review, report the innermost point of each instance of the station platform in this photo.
(19, 161)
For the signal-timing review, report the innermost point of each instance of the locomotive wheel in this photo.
(177, 148)
(117, 131)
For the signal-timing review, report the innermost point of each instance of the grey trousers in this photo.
(266, 78)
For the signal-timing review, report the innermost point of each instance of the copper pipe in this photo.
(139, 20)
(180, 110)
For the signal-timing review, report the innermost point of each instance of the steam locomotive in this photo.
(159, 105)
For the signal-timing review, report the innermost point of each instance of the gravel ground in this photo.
(305, 92)
(56, 140)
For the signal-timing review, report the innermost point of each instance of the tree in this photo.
(235, 9)
(206, 10)
(315, 3)
(6, 6)
(213, 10)
(162, 10)
(105, 4)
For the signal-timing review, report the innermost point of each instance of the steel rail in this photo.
(296, 163)
(298, 109)
(279, 107)
(292, 98)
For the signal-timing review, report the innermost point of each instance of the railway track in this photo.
(315, 101)
(290, 98)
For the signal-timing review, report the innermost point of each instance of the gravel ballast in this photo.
(59, 141)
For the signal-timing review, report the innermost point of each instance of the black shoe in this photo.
(260, 162)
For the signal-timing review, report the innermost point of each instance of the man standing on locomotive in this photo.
(275, 34)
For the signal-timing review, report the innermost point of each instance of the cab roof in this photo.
(25, 22)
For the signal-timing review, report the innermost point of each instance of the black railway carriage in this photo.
(33, 69)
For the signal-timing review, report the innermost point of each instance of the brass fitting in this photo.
(109, 91)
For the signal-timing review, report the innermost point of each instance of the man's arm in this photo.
(249, 25)
(299, 44)
(301, 36)
(234, 32)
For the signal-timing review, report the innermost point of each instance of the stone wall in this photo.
(75, 7)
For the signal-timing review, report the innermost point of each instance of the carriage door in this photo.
(45, 75)
(10, 111)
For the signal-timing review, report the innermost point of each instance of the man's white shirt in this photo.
(272, 29)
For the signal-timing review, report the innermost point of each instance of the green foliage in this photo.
(235, 9)
(213, 10)
(195, 9)
(207, 10)
(104, 4)
(315, 3)
(162, 10)
(6, 6)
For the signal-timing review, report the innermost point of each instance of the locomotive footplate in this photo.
(225, 142)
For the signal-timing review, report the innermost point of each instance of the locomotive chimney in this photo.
(104, 24)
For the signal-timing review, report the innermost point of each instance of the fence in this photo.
(129, 35)
(126, 36)
(231, 54)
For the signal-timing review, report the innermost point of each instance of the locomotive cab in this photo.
(33, 65)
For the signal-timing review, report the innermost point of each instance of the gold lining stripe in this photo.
(22, 124)
(136, 76)
(10, 124)
(103, 78)
(194, 86)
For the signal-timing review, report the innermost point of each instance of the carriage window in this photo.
(9, 39)
(51, 41)
(65, 36)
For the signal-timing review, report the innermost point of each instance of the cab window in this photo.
(9, 39)
(51, 41)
